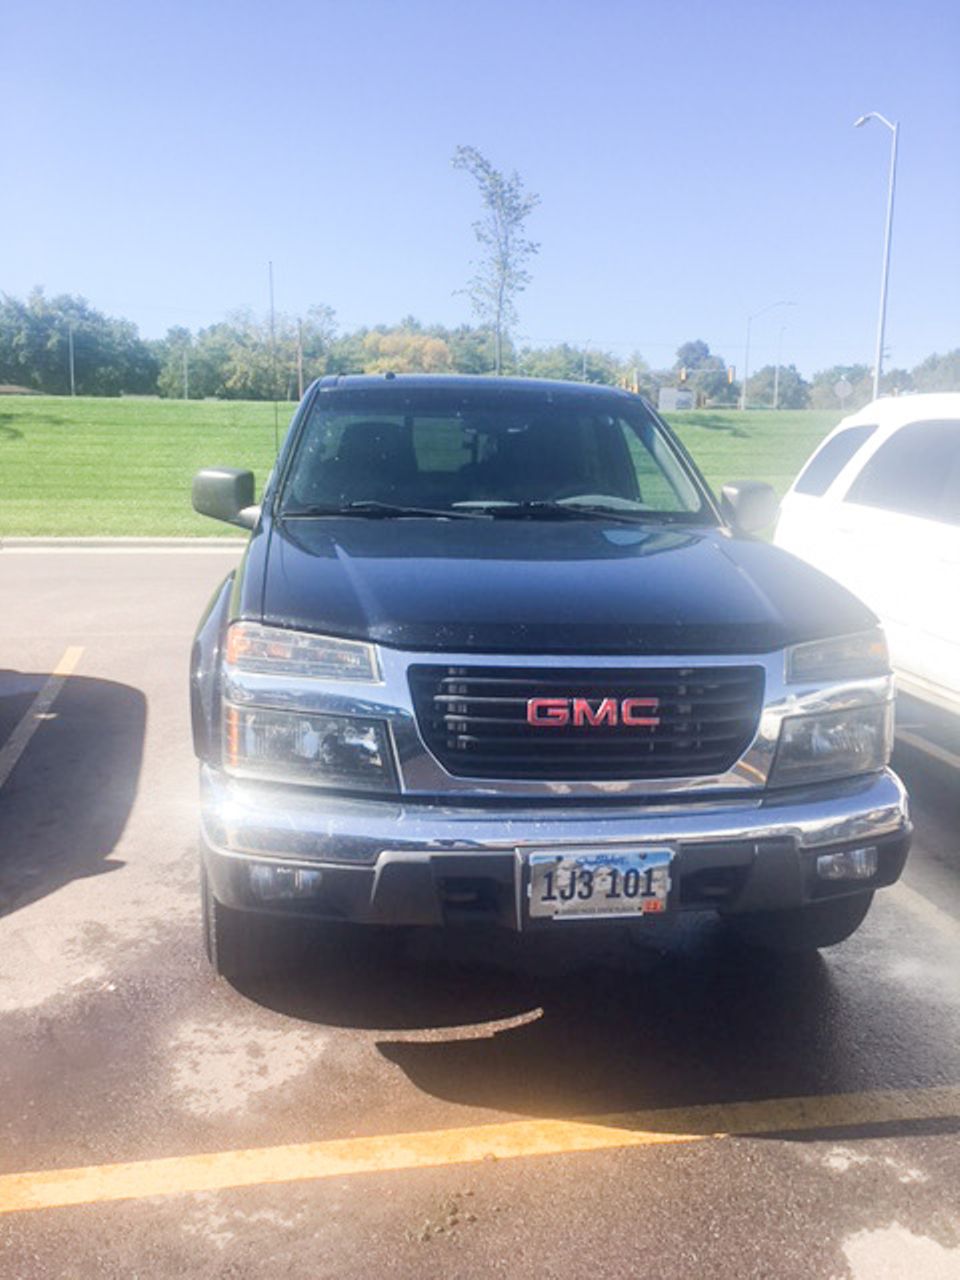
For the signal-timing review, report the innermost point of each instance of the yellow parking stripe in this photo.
(391, 1152)
(34, 715)
(927, 912)
(68, 663)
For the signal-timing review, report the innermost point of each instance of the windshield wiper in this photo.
(534, 510)
(382, 511)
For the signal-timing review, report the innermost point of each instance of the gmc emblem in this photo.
(554, 713)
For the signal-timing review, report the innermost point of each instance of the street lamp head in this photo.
(769, 307)
(875, 115)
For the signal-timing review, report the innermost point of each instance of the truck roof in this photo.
(470, 382)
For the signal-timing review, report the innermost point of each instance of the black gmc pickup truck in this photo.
(496, 653)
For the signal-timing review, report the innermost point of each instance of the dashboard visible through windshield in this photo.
(459, 454)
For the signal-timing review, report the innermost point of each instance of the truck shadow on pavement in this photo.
(675, 1029)
(66, 802)
(582, 1027)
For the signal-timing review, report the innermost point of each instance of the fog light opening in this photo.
(851, 864)
(271, 884)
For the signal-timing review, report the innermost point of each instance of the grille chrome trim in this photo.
(707, 716)
(421, 774)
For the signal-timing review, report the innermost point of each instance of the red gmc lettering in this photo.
(548, 713)
(630, 706)
(554, 713)
(583, 713)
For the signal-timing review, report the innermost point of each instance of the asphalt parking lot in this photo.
(420, 1105)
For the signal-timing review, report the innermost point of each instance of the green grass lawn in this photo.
(123, 467)
(758, 445)
(110, 467)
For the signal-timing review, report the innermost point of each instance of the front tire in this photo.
(819, 924)
(234, 941)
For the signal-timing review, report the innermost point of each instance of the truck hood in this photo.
(541, 586)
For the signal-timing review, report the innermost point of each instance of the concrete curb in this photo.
(118, 544)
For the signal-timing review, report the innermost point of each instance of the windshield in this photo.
(500, 453)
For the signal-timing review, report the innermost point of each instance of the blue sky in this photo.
(695, 162)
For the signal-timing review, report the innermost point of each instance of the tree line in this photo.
(240, 359)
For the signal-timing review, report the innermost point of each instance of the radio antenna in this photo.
(273, 365)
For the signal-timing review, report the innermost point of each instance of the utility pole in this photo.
(186, 375)
(273, 362)
(299, 359)
(776, 372)
(746, 367)
(73, 375)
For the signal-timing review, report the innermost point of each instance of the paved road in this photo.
(473, 1109)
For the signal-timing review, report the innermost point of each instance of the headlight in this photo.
(347, 752)
(841, 658)
(276, 651)
(837, 744)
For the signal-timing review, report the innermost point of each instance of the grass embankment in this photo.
(123, 467)
(758, 445)
(111, 467)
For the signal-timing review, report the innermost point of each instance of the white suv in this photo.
(878, 508)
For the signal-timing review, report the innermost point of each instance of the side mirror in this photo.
(223, 493)
(750, 505)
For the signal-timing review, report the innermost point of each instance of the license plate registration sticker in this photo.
(599, 884)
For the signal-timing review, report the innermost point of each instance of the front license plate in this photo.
(599, 884)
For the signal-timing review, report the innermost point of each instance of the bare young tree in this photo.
(501, 273)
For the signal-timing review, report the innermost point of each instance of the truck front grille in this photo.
(474, 720)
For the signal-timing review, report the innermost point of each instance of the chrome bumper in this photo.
(383, 861)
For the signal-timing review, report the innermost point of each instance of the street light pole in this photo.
(888, 228)
(746, 349)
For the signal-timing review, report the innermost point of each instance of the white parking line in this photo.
(33, 717)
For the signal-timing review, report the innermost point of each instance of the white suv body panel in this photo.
(905, 567)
